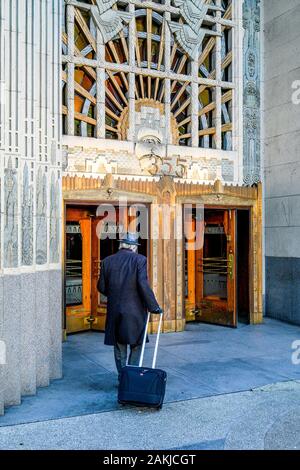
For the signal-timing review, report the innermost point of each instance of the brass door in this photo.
(98, 301)
(86, 245)
(210, 270)
(85, 306)
(78, 271)
(114, 223)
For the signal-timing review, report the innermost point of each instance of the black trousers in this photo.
(121, 351)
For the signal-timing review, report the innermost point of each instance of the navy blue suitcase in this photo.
(143, 386)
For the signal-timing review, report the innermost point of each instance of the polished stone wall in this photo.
(282, 159)
(30, 196)
(2, 348)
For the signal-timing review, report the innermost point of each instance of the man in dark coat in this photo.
(124, 281)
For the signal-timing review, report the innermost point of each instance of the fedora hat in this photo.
(129, 239)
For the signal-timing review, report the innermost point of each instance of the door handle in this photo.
(231, 266)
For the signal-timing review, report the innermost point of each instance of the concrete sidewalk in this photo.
(265, 418)
(203, 361)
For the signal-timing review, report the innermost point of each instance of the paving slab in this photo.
(284, 434)
(245, 420)
(204, 360)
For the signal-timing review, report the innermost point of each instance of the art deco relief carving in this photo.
(162, 38)
(54, 219)
(10, 216)
(153, 160)
(252, 145)
(190, 35)
(148, 159)
(150, 122)
(41, 218)
(109, 22)
(27, 219)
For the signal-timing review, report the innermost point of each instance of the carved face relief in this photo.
(150, 123)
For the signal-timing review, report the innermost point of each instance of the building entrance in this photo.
(92, 235)
(217, 272)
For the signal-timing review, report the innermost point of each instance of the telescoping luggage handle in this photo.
(156, 344)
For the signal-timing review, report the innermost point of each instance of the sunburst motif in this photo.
(193, 37)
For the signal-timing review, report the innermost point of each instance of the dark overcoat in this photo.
(124, 281)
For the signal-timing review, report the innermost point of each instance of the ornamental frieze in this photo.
(252, 99)
(147, 159)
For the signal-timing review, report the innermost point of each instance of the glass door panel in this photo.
(73, 264)
(78, 270)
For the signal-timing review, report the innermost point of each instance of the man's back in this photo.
(124, 281)
(121, 271)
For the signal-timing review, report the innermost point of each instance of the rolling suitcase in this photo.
(143, 386)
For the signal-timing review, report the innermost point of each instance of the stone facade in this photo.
(169, 125)
(178, 125)
(281, 157)
(30, 196)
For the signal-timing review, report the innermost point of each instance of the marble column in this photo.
(30, 197)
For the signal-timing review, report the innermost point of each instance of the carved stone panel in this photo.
(190, 33)
(41, 218)
(109, 22)
(54, 219)
(10, 216)
(252, 111)
(27, 219)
